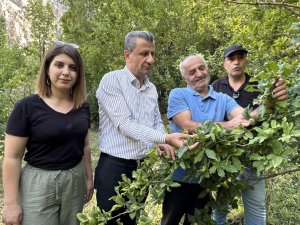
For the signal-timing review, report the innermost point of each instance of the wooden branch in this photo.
(282, 35)
(292, 10)
(280, 173)
(10, 96)
(265, 3)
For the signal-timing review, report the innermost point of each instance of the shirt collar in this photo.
(211, 93)
(225, 81)
(134, 81)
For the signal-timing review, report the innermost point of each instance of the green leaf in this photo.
(295, 133)
(237, 131)
(236, 162)
(132, 215)
(210, 154)
(255, 156)
(276, 160)
(230, 168)
(259, 167)
(116, 206)
(246, 113)
(175, 184)
(199, 156)
(273, 124)
(262, 75)
(82, 218)
(182, 164)
(213, 169)
(271, 67)
(249, 135)
(213, 195)
(237, 151)
(221, 172)
(282, 104)
(181, 151)
(288, 127)
(119, 221)
(276, 146)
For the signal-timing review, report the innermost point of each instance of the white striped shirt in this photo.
(129, 117)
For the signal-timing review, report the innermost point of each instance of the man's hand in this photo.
(236, 122)
(177, 140)
(166, 149)
(280, 91)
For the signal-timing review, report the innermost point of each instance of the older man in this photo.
(129, 118)
(187, 107)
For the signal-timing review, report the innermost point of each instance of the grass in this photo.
(282, 201)
(283, 197)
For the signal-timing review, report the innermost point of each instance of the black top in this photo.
(241, 96)
(55, 140)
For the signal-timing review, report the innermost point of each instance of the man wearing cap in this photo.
(234, 84)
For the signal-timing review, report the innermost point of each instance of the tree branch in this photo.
(292, 10)
(275, 175)
(282, 35)
(265, 3)
(280, 173)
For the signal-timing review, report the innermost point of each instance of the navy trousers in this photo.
(182, 201)
(107, 175)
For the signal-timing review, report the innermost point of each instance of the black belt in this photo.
(121, 160)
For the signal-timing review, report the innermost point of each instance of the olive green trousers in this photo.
(52, 197)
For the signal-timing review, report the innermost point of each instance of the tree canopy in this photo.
(181, 27)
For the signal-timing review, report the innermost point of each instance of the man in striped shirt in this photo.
(129, 119)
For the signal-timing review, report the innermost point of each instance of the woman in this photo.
(52, 125)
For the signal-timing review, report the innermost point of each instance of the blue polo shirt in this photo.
(214, 107)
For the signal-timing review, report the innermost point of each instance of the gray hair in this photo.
(130, 38)
(199, 56)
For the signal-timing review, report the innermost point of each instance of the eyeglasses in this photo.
(61, 43)
(235, 95)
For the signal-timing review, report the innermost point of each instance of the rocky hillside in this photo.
(14, 14)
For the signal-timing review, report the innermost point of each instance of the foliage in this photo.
(17, 75)
(40, 16)
(181, 27)
(3, 36)
(223, 154)
(19, 65)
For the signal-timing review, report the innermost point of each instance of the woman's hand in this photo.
(12, 214)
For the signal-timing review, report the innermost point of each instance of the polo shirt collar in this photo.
(211, 93)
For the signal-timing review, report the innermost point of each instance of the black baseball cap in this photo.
(234, 48)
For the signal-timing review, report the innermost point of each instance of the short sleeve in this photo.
(176, 103)
(86, 108)
(231, 104)
(18, 121)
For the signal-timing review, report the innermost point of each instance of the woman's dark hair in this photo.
(78, 91)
